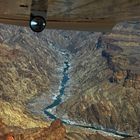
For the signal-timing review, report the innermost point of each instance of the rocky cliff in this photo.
(104, 84)
(103, 90)
(29, 68)
(56, 131)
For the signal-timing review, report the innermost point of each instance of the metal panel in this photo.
(72, 14)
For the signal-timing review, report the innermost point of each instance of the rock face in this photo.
(56, 131)
(28, 69)
(103, 90)
(105, 81)
(25, 61)
(122, 53)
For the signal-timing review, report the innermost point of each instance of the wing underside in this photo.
(99, 15)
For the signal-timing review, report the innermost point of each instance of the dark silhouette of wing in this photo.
(92, 15)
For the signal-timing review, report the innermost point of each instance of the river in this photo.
(58, 101)
(64, 81)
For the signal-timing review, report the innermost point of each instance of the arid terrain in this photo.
(101, 97)
(105, 84)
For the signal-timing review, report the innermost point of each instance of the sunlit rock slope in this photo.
(28, 69)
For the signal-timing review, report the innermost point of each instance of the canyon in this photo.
(108, 76)
(86, 82)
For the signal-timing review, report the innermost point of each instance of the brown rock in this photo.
(10, 137)
(56, 131)
(107, 81)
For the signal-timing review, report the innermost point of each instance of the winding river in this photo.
(58, 101)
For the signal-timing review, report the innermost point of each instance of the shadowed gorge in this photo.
(70, 85)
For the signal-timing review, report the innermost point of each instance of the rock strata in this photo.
(56, 131)
(105, 81)
(103, 90)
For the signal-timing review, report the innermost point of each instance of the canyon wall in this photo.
(29, 68)
(104, 87)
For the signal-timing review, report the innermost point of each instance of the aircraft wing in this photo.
(90, 15)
